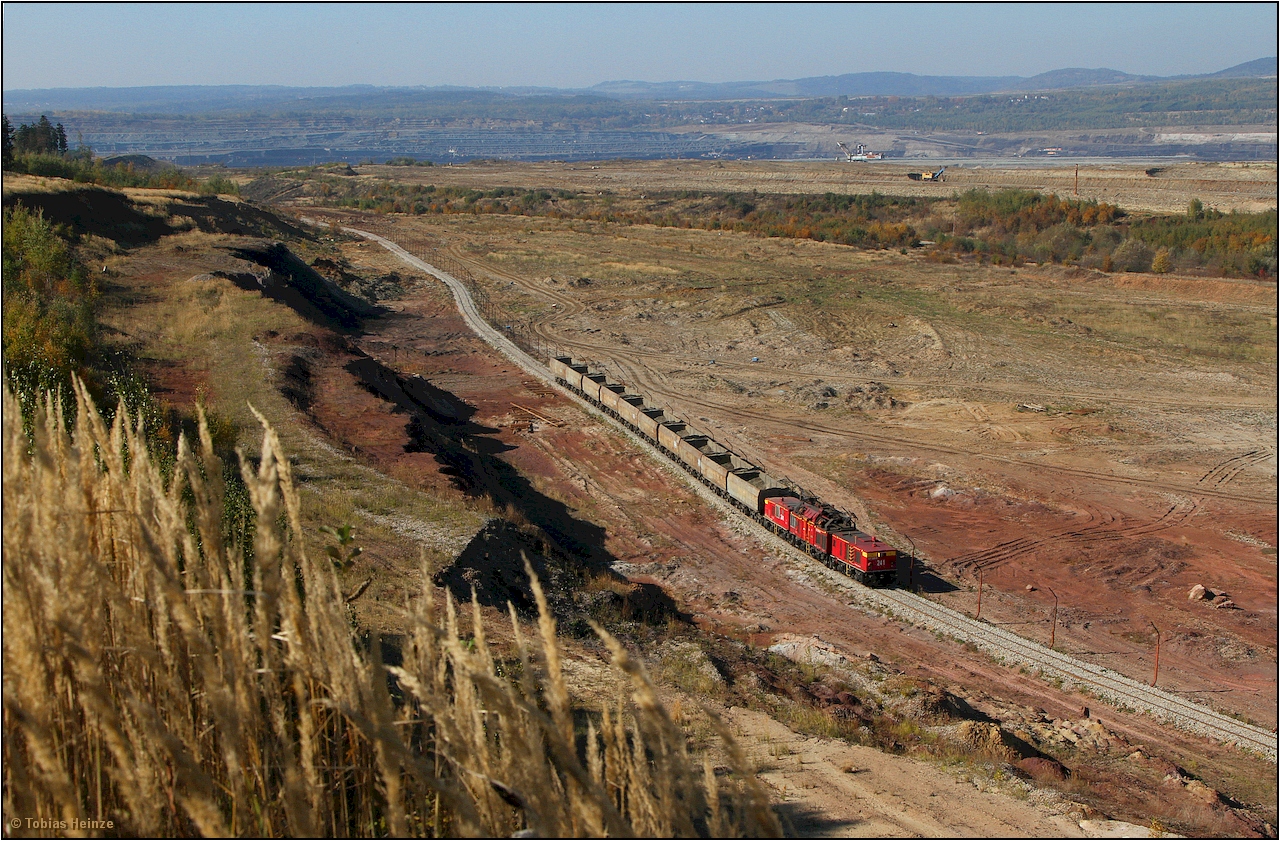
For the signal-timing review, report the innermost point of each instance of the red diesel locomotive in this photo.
(832, 538)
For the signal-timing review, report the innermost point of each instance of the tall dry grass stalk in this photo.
(160, 677)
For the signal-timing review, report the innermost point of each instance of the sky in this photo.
(51, 45)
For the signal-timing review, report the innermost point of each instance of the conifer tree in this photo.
(8, 143)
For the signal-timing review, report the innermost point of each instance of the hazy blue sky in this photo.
(571, 45)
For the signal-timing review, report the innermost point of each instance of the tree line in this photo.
(40, 138)
(41, 149)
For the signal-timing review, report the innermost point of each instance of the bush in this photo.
(49, 328)
(1132, 255)
(219, 185)
(1162, 263)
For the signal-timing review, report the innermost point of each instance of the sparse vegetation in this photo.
(41, 149)
(242, 338)
(82, 167)
(1012, 226)
(1006, 227)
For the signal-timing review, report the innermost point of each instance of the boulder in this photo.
(985, 739)
(1197, 592)
(1225, 604)
(1043, 768)
(1203, 792)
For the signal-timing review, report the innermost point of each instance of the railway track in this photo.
(1104, 683)
(1001, 644)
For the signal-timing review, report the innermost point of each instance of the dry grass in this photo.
(160, 677)
(21, 183)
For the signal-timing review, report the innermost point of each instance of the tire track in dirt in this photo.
(1102, 526)
(568, 304)
(1019, 391)
(1175, 516)
(1228, 470)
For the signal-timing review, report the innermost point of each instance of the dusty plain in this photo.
(1106, 438)
(1245, 186)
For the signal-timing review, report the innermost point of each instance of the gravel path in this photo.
(1006, 647)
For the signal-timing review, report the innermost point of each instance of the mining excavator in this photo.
(860, 153)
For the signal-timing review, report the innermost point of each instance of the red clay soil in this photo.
(1120, 561)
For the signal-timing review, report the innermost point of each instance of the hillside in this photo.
(398, 422)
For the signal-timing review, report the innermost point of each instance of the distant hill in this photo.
(1080, 77)
(907, 84)
(1258, 68)
(191, 99)
(849, 84)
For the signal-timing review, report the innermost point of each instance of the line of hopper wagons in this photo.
(828, 534)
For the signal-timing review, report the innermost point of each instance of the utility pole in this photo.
(978, 615)
(1053, 626)
(1156, 676)
(911, 573)
(1077, 189)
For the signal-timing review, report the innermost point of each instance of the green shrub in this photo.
(49, 329)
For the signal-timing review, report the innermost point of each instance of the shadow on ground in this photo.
(923, 580)
(96, 211)
(568, 554)
(287, 279)
(800, 821)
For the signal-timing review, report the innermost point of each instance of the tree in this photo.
(8, 143)
(1133, 255)
(43, 138)
(1161, 264)
(1195, 209)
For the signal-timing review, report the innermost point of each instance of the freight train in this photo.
(830, 535)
